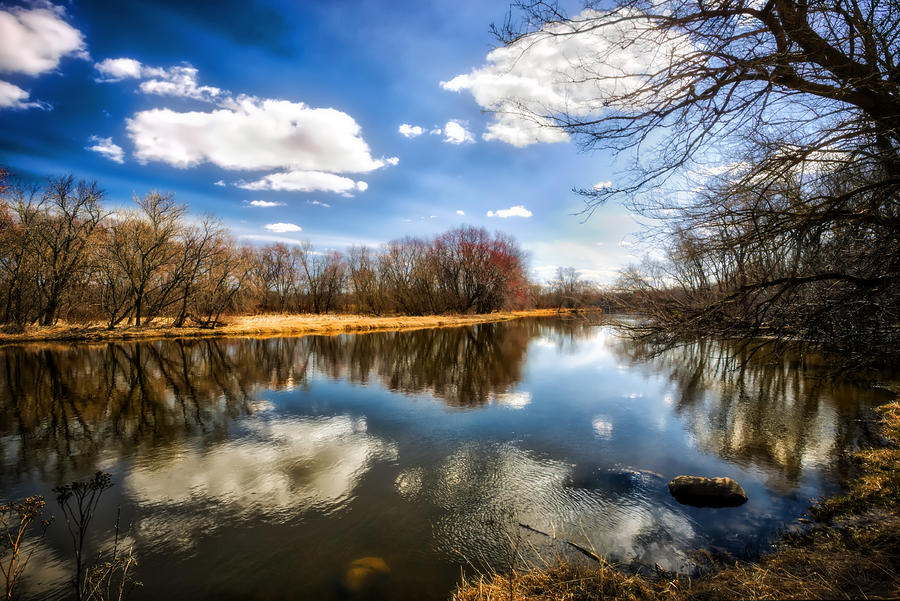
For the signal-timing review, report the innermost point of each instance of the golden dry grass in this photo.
(261, 325)
(852, 552)
(565, 581)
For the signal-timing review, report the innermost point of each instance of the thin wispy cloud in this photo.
(14, 97)
(283, 228)
(106, 147)
(516, 211)
(306, 181)
(264, 204)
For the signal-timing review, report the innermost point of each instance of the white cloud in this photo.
(574, 68)
(252, 133)
(220, 183)
(306, 181)
(410, 131)
(107, 148)
(457, 133)
(435, 132)
(14, 97)
(268, 238)
(460, 212)
(394, 161)
(320, 204)
(180, 80)
(117, 69)
(263, 204)
(32, 41)
(602, 185)
(283, 228)
(283, 465)
(516, 211)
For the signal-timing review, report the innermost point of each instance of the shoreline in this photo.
(847, 551)
(266, 325)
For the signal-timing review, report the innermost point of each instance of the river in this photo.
(264, 468)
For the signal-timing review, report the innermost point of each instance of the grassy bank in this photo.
(850, 551)
(261, 325)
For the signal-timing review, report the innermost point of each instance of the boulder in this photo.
(707, 492)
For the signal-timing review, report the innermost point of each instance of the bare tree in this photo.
(65, 237)
(19, 221)
(277, 268)
(143, 248)
(765, 138)
(362, 272)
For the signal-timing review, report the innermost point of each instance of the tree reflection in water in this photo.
(65, 403)
(759, 408)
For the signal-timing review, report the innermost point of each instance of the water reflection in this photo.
(299, 456)
(757, 408)
(484, 491)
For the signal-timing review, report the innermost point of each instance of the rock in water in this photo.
(366, 578)
(707, 492)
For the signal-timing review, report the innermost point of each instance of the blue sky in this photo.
(298, 107)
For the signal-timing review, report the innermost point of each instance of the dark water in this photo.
(263, 468)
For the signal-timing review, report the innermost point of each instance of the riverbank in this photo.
(261, 326)
(850, 550)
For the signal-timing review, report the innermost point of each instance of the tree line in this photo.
(64, 257)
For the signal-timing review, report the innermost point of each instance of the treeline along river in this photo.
(264, 468)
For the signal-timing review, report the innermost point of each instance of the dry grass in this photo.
(261, 325)
(852, 552)
(565, 582)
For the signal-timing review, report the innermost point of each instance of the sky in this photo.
(336, 122)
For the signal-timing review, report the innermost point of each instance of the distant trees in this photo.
(63, 256)
(463, 270)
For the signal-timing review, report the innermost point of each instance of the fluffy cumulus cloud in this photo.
(602, 185)
(283, 228)
(117, 69)
(456, 133)
(410, 131)
(307, 149)
(14, 97)
(460, 212)
(577, 69)
(516, 211)
(33, 41)
(263, 204)
(107, 148)
(306, 181)
(251, 133)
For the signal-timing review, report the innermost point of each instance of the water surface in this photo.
(263, 468)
